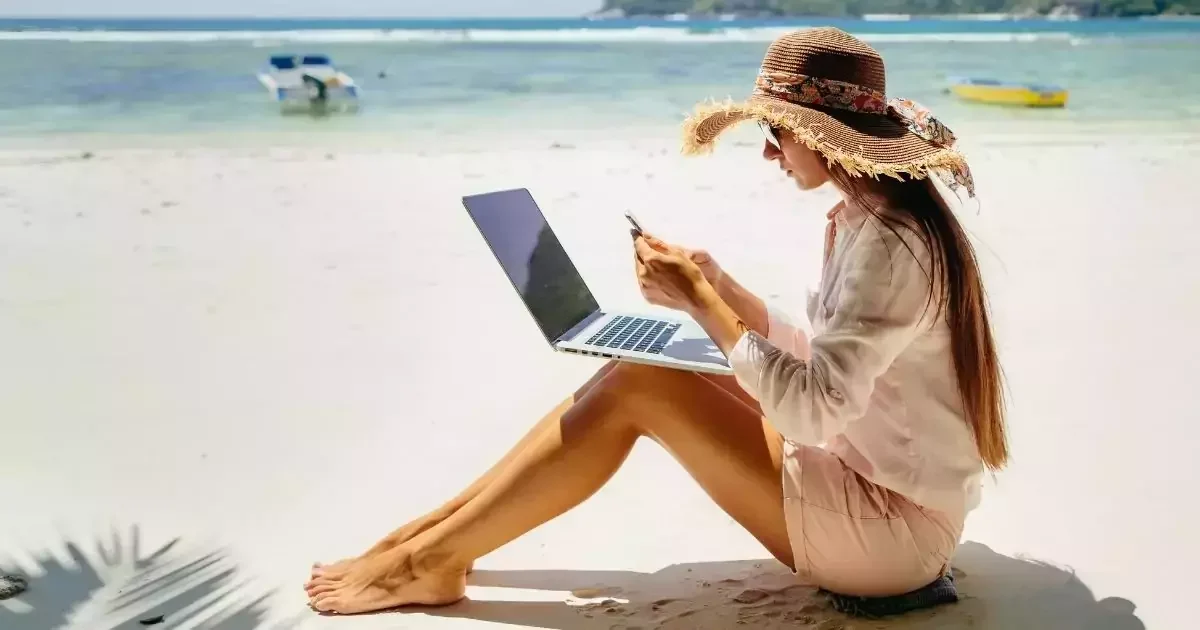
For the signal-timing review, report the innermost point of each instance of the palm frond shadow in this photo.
(110, 585)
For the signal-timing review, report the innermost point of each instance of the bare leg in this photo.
(730, 384)
(411, 529)
(720, 440)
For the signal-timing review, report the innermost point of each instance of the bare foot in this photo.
(387, 580)
(337, 568)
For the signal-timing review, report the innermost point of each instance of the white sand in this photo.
(252, 351)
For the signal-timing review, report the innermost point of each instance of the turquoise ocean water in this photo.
(63, 78)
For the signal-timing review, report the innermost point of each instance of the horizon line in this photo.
(143, 16)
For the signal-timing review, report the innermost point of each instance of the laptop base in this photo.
(687, 347)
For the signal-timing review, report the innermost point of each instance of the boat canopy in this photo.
(289, 62)
(283, 62)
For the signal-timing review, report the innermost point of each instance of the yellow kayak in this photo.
(1001, 93)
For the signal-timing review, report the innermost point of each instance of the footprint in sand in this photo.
(751, 596)
(791, 605)
(811, 608)
(680, 615)
(787, 596)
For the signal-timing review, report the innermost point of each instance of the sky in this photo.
(299, 8)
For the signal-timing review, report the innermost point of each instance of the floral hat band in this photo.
(803, 89)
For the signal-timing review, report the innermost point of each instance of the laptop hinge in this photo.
(577, 328)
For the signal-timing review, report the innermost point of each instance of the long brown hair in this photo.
(956, 291)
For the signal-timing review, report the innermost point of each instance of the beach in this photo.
(261, 351)
(229, 355)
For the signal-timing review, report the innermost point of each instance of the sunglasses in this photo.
(771, 134)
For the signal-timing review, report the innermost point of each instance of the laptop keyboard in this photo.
(635, 333)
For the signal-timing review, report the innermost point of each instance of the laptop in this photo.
(564, 308)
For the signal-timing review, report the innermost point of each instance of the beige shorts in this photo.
(853, 537)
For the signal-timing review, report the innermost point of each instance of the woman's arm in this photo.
(762, 318)
(882, 304)
(759, 316)
(749, 307)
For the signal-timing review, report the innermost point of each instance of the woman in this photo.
(880, 426)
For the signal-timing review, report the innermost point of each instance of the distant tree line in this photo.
(850, 8)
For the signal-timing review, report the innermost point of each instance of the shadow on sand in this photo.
(997, 593)
(110, 585)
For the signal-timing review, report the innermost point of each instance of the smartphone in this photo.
(637, 227)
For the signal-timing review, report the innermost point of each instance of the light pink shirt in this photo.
(875, 385)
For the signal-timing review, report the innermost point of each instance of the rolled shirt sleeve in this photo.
(783, 333)
(882, 301)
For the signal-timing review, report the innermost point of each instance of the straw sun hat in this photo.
(828, 89)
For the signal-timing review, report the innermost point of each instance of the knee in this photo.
(632, 377)
(644, 388)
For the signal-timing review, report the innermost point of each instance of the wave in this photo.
(580, 35)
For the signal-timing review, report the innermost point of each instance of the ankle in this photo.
(438, 559)
(411, 530)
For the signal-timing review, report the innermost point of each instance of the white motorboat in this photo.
(309, 83)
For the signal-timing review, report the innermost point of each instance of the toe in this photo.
(325, 602)
(321, 589)
(319, 586)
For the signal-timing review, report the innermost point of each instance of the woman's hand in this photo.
(707, 264)
(670, 276)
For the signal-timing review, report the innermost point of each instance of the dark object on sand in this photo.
(152, 621)
(940, 591)
(11, 586)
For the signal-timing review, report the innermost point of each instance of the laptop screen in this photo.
(517, 231)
